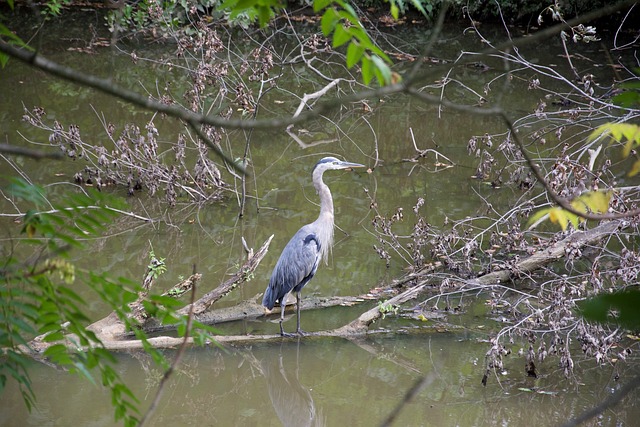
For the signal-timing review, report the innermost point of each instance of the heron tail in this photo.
(269, 299)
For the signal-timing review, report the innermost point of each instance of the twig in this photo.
(303, 144)
(75, 208)
(228, 160)
(568, 56)
(107, 86)
(314, 95)
(242, 275)
(564, 204)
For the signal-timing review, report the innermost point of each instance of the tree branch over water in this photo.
(26, 152)
(109, 87)
(493, 276)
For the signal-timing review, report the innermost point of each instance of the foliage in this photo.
(38, 296)
(621, 132)
(156, 265)
(522, 10)
(629, 96)
(54, 7)
(8, 36)
(594, 201)
(341, 20)
(160, 15)
(589, 202)
(386, 308)
(538, 307)
(263, 11)
(400, 6)
(469, 247)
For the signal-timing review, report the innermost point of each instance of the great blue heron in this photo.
(300, 258)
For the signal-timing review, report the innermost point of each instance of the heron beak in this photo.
(349, 165)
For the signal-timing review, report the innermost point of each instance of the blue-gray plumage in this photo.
(299, 260)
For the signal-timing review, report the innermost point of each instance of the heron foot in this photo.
(298, 333)
(288, 335)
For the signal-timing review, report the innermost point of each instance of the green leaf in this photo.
(55, 336)
(395, 11)
(80, 367)
(328, 21)
(418, 5)
(71, 294)
(592, 201)
(537, 216)
(354, 53)
(13, 38)
(264, 15)
(628, 99)
(58, 353)
(340, 36)
(346, 6)
(382, 70)
(318, 5)
(353, 19)
(367, 70)
(182, 329)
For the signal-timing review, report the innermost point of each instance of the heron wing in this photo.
(296, 266)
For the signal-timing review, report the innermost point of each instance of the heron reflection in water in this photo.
(291, 401)
(299, 260)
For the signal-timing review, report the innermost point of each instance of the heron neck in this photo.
(326, 201)
(325, 219)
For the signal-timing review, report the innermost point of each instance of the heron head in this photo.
(332, 163)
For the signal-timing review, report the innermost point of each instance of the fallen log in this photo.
(251, 309)
(543, 257)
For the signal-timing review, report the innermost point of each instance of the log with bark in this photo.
(114, 337)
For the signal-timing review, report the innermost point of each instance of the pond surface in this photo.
(308, 381)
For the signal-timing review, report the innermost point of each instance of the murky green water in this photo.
(328, 383)
(311, 382)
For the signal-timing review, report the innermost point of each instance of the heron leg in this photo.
(283, 306)
(298, 330)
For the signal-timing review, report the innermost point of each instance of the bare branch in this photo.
(242, 275)
(308, 97)
(34, 154)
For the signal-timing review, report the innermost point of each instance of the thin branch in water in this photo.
(608, 403)
(408, 397)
